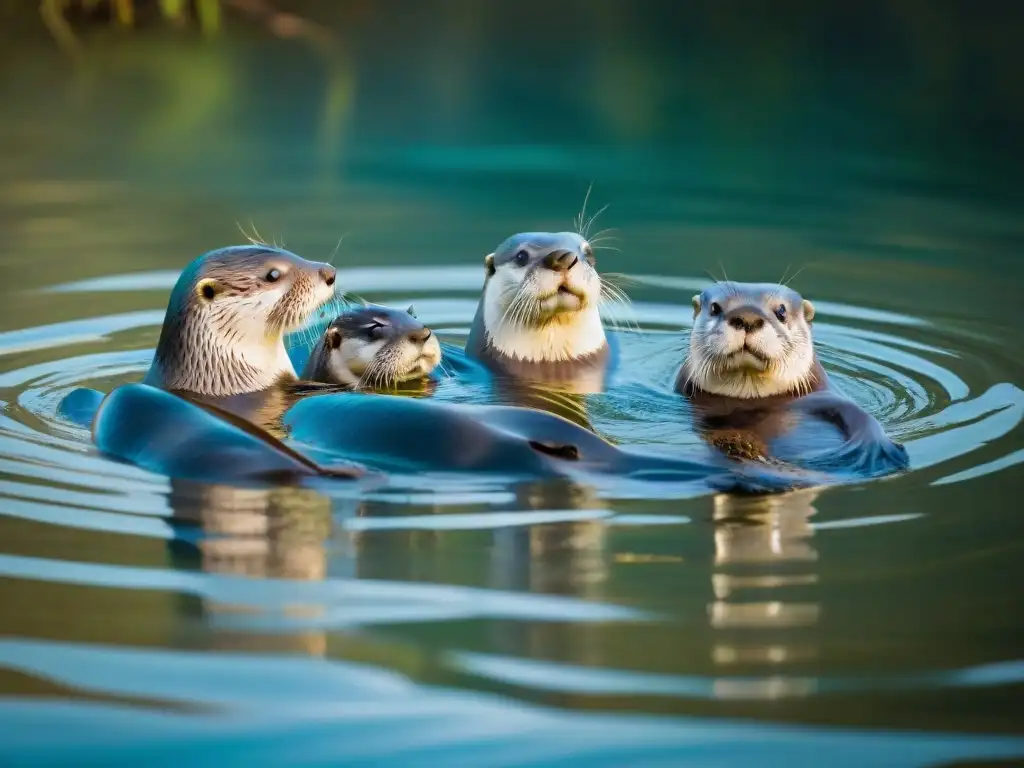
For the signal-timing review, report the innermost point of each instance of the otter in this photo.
(538, 318)
(222, 339)
(752, 372)
(373, 347)
(220, 364)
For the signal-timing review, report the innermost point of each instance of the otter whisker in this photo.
(525, 309)
(445, 372)
(783, 280)
(612, 288)
(337, 245)
(356, 299)
(370, 374)
(578, 221)
(618, 277)
(383, 367)
(259, 239)
(614, 299)
(253, 239)
(512, 307)
(603, 234)
(796, 274)
(526, 305)
(591, 220)
(517, 294)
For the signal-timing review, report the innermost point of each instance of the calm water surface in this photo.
(471, 622)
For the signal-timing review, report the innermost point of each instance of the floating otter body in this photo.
(759, 391)
(400, 434)
(171, 435)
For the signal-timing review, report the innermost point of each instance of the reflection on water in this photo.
(759, 535)
(451, 620)
(278, 534)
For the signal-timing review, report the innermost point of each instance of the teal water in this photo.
(462, 620)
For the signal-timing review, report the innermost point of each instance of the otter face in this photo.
(222, 334)
(750, 340)
(249, 288)
(541, 297)
(377, 346)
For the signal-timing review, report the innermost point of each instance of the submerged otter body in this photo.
(538, 320)
(414, 435)
(759, 391)
(156, 430)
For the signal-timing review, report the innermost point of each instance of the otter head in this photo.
(374, 346)
(228, 313)
(751, 340)
(541, 297)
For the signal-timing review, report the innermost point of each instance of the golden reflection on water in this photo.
(270, 534)
(756, 538)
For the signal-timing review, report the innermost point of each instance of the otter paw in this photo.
(868, 457)
(882, 456)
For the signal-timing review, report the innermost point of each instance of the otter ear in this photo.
(808, 309)
(411, 310)
(696, 304)
(489, 264)
(333, 338)
(207, 289)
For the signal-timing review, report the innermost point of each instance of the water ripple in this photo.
(359, 597)
(344, 713)
(555, 565)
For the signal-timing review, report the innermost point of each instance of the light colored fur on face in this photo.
(232, 341)
(349, 362)
(717, 361)
(526, 317)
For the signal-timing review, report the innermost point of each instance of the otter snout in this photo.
(419, 336)
(745, 318)
(561, 260)
(328, 274)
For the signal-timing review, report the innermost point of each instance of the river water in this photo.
(476, 623)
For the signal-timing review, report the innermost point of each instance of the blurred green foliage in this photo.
(205, 13)
(58, 15)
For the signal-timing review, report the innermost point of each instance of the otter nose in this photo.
(419, 336)
(560, 261)
(745, 319)
(328, 273)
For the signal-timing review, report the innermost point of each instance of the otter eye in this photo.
(588, 254)
(273, 276)
(780, 312)
(522, 258)
(715, 309)
(374, 326)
